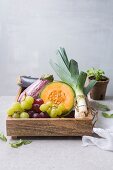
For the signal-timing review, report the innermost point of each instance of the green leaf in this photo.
(106, 115)
(102, 107)
(89, 87)
(61, 73)
(19, 143)
(63, 54)
(16, 144)
(26, 142)
(111, 115)
(81, 80)
(91, 72)
(62, 64)
(96, 73)
(73, 67)
(2, 137)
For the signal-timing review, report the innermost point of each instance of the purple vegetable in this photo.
(35, 88)
(25, 81)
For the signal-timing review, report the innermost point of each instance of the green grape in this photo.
(24, 115)
(59, 111)
(61, 107)
(17, 107)
(16, 115)
(26, 105)
(53, 113)
(49, 103)
(44, 107)
(29, 99)
(10, 111)
(49, 110)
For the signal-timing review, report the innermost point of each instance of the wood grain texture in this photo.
(49, 127)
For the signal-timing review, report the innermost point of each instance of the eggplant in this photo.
(25, 81)
(35, 88)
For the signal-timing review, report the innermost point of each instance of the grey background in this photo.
(32, 30)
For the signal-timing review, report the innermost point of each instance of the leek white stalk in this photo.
(81, 104)
(81, 100)
(79, 114)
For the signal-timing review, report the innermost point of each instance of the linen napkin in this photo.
(104, 132)
(105, 141)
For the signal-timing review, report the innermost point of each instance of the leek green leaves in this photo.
(68, 72)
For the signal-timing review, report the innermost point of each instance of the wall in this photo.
(32, 31)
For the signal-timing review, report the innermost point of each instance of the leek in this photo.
(68, 72)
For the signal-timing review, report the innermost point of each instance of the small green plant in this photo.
(97, 74)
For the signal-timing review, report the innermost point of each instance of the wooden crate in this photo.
(16, 127)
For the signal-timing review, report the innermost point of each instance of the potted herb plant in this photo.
(98, 92)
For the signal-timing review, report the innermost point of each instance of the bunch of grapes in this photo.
(19, 110)
(28, 108)
(52, 109)
(35, 111)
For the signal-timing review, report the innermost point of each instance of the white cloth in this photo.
(105, 141)
(104, 130)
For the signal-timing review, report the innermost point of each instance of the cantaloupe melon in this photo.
(59, 93)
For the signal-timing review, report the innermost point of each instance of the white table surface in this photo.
(52, 153)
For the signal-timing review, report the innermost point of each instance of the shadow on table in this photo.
(51, 138)
(109, 98)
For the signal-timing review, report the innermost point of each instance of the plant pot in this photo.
(98, 92)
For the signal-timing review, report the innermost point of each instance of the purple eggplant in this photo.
(35, 88)
(25, 81)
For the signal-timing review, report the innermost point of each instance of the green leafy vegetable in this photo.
(68, 72)
(64, 77)
(61, 64)
(64, 57)
(106, 115)
(2, 137)
(89, 87)
(19, 143)
(73, 68)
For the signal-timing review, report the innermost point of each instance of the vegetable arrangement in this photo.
(45, 98)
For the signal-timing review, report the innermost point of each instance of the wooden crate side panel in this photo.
(48, 127)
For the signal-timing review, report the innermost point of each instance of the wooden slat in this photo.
(48, 127)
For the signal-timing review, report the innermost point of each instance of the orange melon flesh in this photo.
(59, 93)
